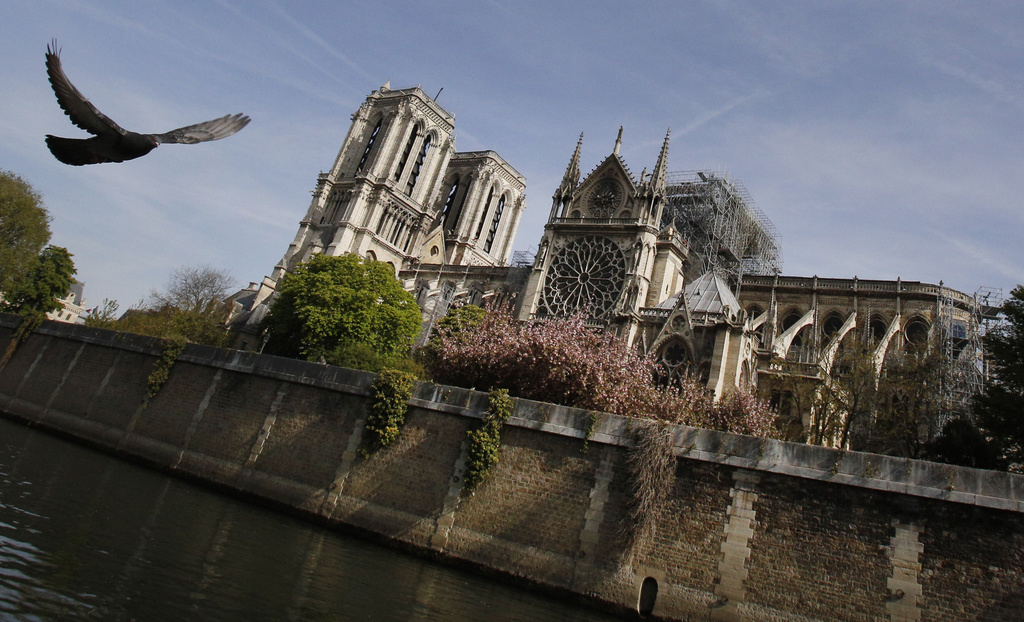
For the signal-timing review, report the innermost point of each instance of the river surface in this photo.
(84, 535)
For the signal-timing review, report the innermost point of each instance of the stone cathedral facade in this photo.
(399, 192)
(679, 266)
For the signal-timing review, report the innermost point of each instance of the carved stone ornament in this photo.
(605, 199)
(588, 274)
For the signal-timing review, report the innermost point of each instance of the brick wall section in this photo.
(789, 531)
(308, 437)
(972, 563)
(535, 499)
(820, 550)
(401, 490)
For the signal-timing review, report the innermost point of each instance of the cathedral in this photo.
(681, 266)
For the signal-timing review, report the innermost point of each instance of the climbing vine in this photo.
(485, 441)
(592, 418)
(651, 478)
(172, 348)
(389, 397)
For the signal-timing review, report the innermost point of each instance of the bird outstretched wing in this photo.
(202, 132)
(79, 109)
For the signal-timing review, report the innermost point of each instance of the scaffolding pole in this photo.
(726, 233)
(961, 325)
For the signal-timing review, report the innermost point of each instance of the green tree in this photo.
(846, 398)
(962, 443)
(332, 302)
(24, 228)
(909, 401)
(48, 279)
(196, 289)
(1000, 409)
(190, 308)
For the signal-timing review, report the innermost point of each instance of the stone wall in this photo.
(753, 529)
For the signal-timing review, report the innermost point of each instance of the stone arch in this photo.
(675, 358)
(877, 326)
(800, 346)
(832, 324)
(916, 332)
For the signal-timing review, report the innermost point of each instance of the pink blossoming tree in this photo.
(565, 362)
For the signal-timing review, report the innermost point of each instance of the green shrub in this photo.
(485, 441)
(173, 347)
(390, 395)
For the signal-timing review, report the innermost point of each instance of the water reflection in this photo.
(84, 535)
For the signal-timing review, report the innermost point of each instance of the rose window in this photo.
(606, 198)
(588, 274)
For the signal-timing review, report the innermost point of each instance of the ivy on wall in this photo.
(172, 348)
(389, 401)
(485, 441)
(652, 469)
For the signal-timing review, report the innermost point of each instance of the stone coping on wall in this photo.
(992, 489)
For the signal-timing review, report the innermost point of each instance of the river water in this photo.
(84, 535)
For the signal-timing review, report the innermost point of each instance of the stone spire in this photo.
(661, 168)
(572, 172)
(618, 142)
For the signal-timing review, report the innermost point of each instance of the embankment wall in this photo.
(752, 529)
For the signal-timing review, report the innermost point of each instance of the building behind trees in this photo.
(680, 265)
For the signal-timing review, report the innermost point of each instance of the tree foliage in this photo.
(197, 289)
(24, 228)
(49, 278)
(191, 308)
(847, 396)
(565, 362)
(962, 443)
(330, 302)
(1000, 409)
(909, 401)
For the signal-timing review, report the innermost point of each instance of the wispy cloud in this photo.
(1000, 89)
(711, 115)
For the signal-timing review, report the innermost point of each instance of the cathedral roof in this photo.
(708, 294)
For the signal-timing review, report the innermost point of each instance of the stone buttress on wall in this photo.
(753, 529)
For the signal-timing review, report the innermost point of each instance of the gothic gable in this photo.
(608, 192)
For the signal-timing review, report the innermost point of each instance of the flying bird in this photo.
(111, 142)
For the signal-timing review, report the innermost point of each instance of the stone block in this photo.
(995, 484)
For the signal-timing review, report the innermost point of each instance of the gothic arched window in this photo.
(494, 224)
(449, 202)
(408, 150)
(369, 145)
(483, 216)
(419, 165)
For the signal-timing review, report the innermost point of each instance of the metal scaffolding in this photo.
(962, 324)
(726, 233)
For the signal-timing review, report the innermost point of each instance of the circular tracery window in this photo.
(587, 273)
(605, 199)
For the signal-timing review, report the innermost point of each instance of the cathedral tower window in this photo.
(419, 165)
(449, 203)
(483, 216)
(408, 150)
(494, 224)
(369, 145)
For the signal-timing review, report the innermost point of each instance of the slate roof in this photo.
(708, 294)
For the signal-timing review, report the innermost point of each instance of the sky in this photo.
(883, 139)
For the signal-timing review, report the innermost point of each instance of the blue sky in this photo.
(883, 139)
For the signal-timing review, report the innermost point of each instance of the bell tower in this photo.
(377, 199)
(604, 251)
